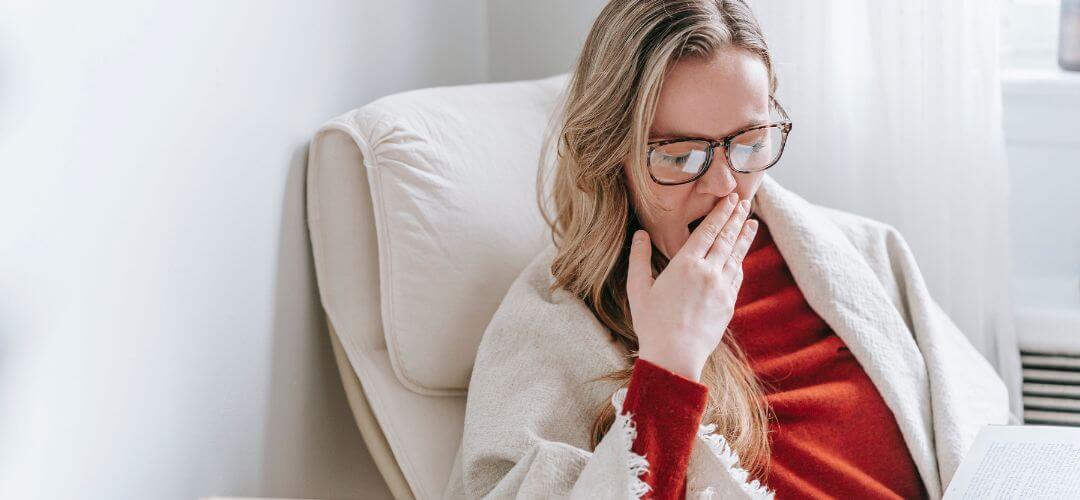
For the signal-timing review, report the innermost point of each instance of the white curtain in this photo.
(897, 113)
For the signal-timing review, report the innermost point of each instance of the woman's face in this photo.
(704, 98)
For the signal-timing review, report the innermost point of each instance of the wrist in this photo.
(686, 366)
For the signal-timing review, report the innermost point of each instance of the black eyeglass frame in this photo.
(784, 125)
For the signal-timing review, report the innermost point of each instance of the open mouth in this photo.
(694, 223)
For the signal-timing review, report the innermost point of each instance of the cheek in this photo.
(673, 198)
(667, 196)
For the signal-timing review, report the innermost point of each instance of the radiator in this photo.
(1051, 388)
(1049, 337)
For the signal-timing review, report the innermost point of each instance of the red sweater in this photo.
(832, 434)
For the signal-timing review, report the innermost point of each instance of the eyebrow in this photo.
(677, 134)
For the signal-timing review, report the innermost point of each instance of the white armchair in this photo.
(422, 210)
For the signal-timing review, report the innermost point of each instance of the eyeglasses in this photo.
(752, 149)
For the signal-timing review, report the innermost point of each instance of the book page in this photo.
(1020, 461)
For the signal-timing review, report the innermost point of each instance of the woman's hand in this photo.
(681, 315)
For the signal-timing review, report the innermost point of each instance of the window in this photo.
(1029, 33)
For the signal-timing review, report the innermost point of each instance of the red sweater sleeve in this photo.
(666, 409)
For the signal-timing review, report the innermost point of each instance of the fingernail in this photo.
(733, 198)
(753, 224)
(745, 204)
(638, 236)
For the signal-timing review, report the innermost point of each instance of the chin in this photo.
(670, 249)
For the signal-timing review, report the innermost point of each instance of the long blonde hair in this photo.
(603, 118)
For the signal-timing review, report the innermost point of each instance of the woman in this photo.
(678, 341)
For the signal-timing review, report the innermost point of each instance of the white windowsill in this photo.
(1048, 314)
(1040, 81)
(1040, 94)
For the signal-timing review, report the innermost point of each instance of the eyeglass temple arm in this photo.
(780, 108)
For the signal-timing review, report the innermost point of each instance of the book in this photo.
(1019, 461)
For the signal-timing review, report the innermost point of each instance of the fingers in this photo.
(706, 232)
(722, 244)
(733, 264)
(736, 280)
(639, 277)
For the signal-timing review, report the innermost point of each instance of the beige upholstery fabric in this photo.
(421, 205)
(452, 174)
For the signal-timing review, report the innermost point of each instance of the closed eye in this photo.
(677, 159)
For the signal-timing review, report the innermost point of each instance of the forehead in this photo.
(712, 97)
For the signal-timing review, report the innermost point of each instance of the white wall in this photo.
(160, 335)
(537, 39)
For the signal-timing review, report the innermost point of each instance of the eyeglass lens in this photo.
(749, 151)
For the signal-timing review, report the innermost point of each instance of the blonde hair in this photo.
(603, 118)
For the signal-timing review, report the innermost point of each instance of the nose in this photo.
(718, 180)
